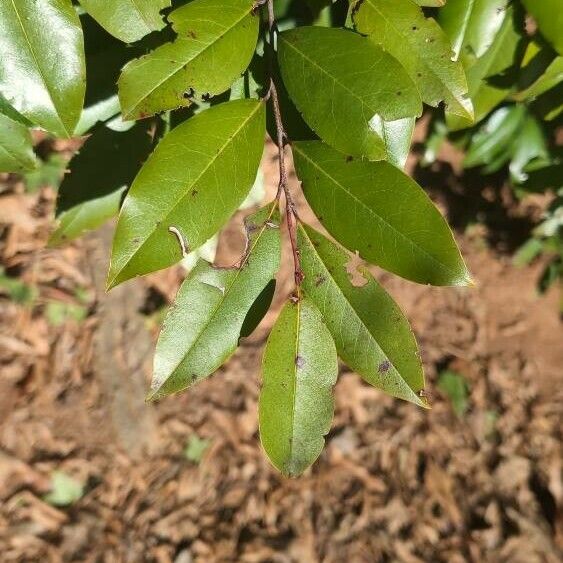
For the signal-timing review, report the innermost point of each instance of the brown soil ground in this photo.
(395, 483)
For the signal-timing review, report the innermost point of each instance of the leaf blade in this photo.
(16, 148)
(340, 81)
(42, 68)
(401, 28)
(100, 173)
(203, 328)
(299, 371)
(217, 34)
(128, 20)
(358, 200)
(372, 335)
(219, 147)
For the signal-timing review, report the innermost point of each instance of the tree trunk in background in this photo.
(122, 351)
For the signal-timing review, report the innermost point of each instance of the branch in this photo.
(281, 138)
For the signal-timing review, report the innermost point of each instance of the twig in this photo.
(281, 138)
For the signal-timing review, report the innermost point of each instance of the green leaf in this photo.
(495, 136)
(399, 27)
(376, 209)
(552, 76)
(64, 490)
(472, 26)
(16, 147)
(196, 448)
(528, 252)
(47, 173)
(372, 335)
(42, 72)
(215, 43)
(17, 290)
(487, 90)
(530, 144)
(258, 310)
(299, 371)
(397, 136)
(58, 313)
(454, 386)
(340, 81)
(99, 174)
(219, 150)
(105, 57)
(7, 110)
(203, 327)
(128, 20)
(549, 17)
(431, 3)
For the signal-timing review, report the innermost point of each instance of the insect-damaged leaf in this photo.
(376, 209)
(215, 43)
(16, 148)
(299, 370)
(340, 81)
(400, 27)
(219, 151)
(203, 327)
(128, 20)
(42, 71)
(371, 333)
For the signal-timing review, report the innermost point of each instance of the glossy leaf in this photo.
(42, 72)
(299, 371)
(340, 81)
(372, 335)
(549, 17)
(397, 136)
(16, 148)
(431, 3)
(128, 20)
(215, 43)
(99, 174)
(400, 27)
(219, 150)
(376, 209)
(203, 327)
(105, 57)
(472, 26)
(552, 76)
(495, 137)
(486, 89)
(530, 145)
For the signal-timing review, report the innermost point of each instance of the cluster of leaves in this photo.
(175, 149)
(512, 53)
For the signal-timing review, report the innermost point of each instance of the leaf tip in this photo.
(152, 396)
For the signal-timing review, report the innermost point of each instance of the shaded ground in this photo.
(395, 483)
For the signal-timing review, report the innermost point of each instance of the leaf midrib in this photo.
(207, 46)
(40, 70)
(372, 212)
(325, 72)
(360, 320)
(294, 386)
(197, 179)
(142, 16)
